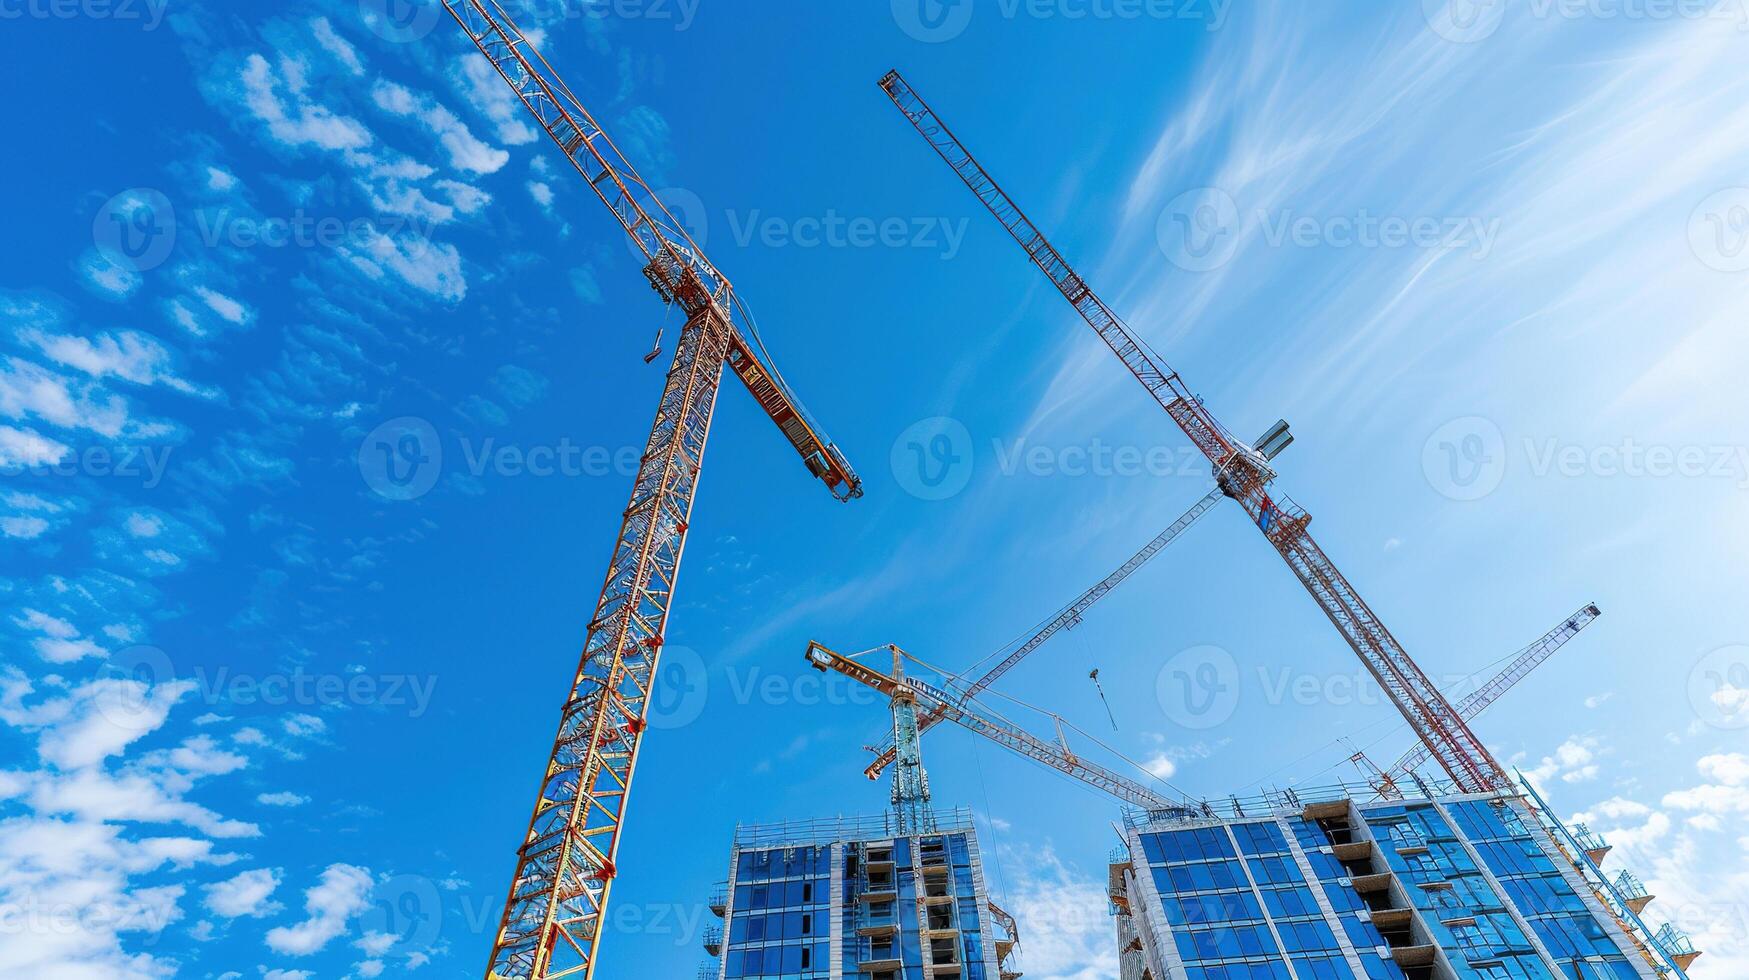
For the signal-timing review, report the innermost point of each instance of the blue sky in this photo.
(272, 709)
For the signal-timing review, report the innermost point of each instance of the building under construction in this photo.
(1476, 879)
(871, 897)
(1339, 883)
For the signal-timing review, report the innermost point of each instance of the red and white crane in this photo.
(1242, 472)
(565, 868)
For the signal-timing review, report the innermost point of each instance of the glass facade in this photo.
(877, 908)
(1466, 889)
(780, 920)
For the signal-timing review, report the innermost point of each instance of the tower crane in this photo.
(1270, 445)
(1525, 661)
(1242, 473)
(554, 917)
(907, 693)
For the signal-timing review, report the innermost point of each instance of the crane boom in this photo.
(676, 267)
(555, 914)
(996, 730)
(1241, 471)
(1526, 660)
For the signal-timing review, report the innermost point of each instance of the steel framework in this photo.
(1242, 472)
(1527, 660)
(907, 688)
(553, 918)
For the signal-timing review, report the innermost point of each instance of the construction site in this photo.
(1444, 864)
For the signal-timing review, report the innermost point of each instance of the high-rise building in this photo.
(1339, 884)
(859, 898)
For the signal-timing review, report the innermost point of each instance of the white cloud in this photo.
(281, 799)
(28, 389)
(426, 266)
(1575, 761)
(1160, 767)
(127, 354)
(343, 893)
(248, 895)
(541, 192)
(60, 642)
(303, 725)
(481, 86)
(25, 528)
(1732, 770)
(28, 448)
(334, 44)
(466, 151)
(1066, 931)
(279, 99)
(231, 310)
(111, 279)
(92, 721)
(143, 525)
